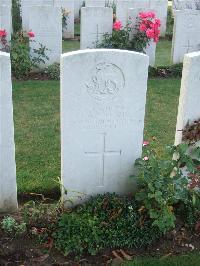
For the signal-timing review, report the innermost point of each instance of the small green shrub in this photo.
(40, 214)
(10, 226)
(21, 60)
(53, 71)
(106, 221)
(166, 71)
(163, 184)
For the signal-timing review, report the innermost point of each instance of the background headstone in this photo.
(151, 47)
(5, 20)
(103, 96)
(46, 23)
(189, 108)
(8, 187)
(159, 7)
(26, 6)
(95, 21)
(93, 3)
(186, 34)
(67, 7)
(8, 3)
(186, 4)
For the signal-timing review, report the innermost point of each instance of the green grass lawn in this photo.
(37, 133)
(163, 53)
(70, 45)
(163, 50)
(183, 260)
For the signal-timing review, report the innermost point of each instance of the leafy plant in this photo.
(134, 36)
(106, 221)
(53, 71)
(10, 226)
(16, 17)
(3, 41)
(22, 61)
(164, 183)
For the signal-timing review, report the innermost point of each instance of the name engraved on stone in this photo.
(106, 82)
(102, 157)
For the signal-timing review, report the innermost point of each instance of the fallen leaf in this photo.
(125, 255)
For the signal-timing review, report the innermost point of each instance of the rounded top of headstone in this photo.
(106, 51)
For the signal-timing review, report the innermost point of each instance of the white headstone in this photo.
(159, 7)
(46, 23)
(5, 20)
(186, 35)
(151, 47)
(122, 9)
(103, 96)
(95, 21)
(186, 4)
(93, 3)
(7, 3)
(8, 187)
(189, 108)
(76, 9)
(26, 6)
(67, 7)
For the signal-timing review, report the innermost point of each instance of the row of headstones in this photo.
(103, 97)
(45, 19)
(46, 22)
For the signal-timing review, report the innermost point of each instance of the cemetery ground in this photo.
(37, 134)
(27, 240)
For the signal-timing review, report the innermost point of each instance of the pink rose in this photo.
(31, 34)
(117, 25)
(150, 33)
(3, 33)
(145, 158)
(142, 27)
(145, 143)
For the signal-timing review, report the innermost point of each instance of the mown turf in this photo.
(37, 133)
(163, 53)
(183, 260)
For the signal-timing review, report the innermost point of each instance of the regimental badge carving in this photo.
(106, 82)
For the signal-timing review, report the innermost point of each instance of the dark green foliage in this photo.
(16, 18)
(189, 213)
(166, 71)
(121, 40)
(170, 23)
(53, 71)
(21, 60)
(106, 221)
(163, 184)
(116, 40)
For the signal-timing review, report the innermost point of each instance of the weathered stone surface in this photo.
(186, 36)
(46, 23)
(8, 187)
(189, 108)
(103, 96)
(95, 21)
(93, 3)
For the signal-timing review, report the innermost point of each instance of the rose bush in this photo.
(136, 35)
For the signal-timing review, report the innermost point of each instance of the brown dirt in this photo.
(27, 251)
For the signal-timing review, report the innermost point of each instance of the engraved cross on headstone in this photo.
(188, 46)
(97, 34)
(102, 157)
